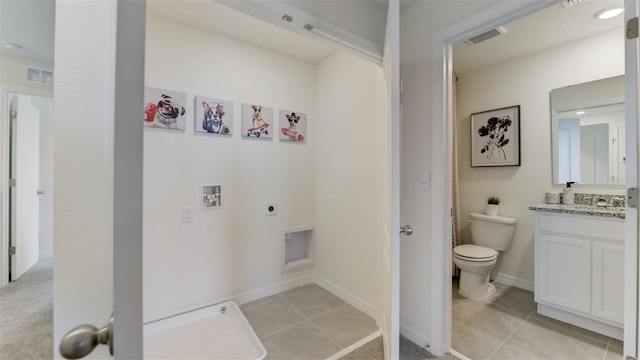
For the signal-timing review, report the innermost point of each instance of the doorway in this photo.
(30, 179)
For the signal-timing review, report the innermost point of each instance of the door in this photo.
(568, 150)
(594, 154)
(631, 319)
(99, 69)
(607, 300)
(391, 248)
(25, 171)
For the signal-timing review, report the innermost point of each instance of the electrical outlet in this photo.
(271, 209)
(187, 215)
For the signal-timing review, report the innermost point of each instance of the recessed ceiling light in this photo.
(609, 12)
(10, 45)
(581, 112)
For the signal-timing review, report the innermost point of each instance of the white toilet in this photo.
(489, 234)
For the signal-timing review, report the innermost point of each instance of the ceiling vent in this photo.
(486, 35)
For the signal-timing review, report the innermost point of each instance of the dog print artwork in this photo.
(293, 126)
(257, 121)
(164, 109)
(214, 116)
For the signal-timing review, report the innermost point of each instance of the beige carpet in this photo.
(26, 315)
(373, 350)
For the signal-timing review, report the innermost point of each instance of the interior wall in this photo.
(350, 161)
(229, 251)
(13, 71)
(527, 82)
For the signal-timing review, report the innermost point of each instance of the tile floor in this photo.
(507, 326)
(306, 323)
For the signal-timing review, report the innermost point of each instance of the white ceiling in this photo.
(31, 23)
(545, 29)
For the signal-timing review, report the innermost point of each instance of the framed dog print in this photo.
(214, 116)
(495, 137)
(257, 121)
(293, 126)
(164, 109)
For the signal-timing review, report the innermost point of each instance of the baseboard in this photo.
(271, 290)
(414, 336)
(355, 346)
(514, 281)
(348, 297)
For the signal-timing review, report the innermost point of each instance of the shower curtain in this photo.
(454, 188)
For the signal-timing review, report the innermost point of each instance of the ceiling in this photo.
(31, 23)
(545, 29)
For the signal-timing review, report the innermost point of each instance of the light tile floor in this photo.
(306, 323)
(507, 326)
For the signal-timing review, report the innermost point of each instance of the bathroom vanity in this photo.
(579, 266)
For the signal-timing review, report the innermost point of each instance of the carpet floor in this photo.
(26, 315)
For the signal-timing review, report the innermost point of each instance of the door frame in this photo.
(442, 141)
(5, 161)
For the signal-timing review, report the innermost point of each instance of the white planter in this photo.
(492, 209)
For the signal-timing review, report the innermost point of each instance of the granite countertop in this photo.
(617, 212)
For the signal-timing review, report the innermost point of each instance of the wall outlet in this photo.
(271, 209)
(187, 215)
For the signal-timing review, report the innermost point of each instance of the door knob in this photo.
(40, 192)
(81, 341)
(407, 230)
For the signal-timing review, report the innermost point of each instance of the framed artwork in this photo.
(164, 109)
(214, 116)
(293, 126)
(257, 121)
(495, 137)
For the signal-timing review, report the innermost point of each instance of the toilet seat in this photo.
(476, 253)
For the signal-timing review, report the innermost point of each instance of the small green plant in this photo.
(493, 200)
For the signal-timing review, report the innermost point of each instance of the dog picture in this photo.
(164, 109)
(256, 121)
(216, 116)
(296, 130)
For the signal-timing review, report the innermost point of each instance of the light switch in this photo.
(187, 215)
(424, 178)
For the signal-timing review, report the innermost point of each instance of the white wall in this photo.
(526, 82)
(13, 71)
(229, 251)
(350, 161)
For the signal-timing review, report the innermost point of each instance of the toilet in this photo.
(489, 234)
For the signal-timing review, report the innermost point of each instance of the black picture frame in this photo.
(495, 137)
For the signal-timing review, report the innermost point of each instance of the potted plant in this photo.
(493, 202)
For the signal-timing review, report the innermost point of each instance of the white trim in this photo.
(415, 337)
(355, 346)
(349, 298)
(270, 290)
(497, 15)
(514, 281)
(460, 356)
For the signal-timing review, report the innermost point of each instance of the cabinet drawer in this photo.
(591, 227)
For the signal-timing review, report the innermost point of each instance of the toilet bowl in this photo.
(489, 235)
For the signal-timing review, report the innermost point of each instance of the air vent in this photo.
(571, 3)
(41, 76)
(486, 35)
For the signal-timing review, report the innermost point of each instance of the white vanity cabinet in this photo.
(579, 270)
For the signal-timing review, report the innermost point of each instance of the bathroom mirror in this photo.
(587, 131)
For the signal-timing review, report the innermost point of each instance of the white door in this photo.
(568, 150)
(99, 67)
(594, 154)
(25, 170)
(391, 248)
(631, 319)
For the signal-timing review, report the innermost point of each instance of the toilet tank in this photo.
(495, 232)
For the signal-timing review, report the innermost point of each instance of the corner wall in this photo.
(527, 82)
(349, 164)
(237, 249)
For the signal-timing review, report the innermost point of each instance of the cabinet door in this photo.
(564, 277)
(608, 282)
